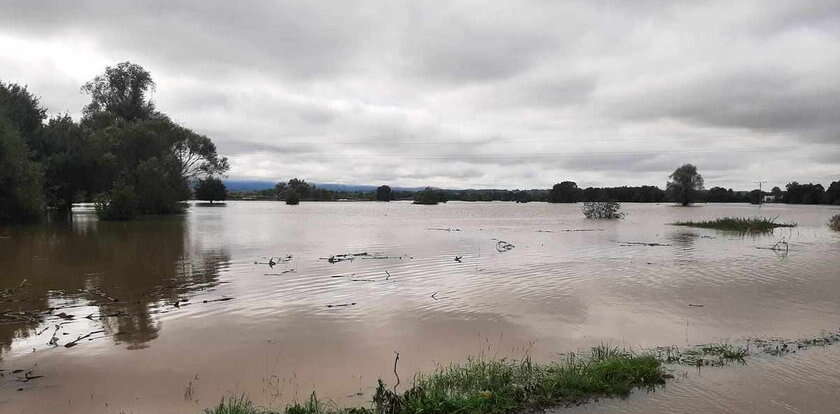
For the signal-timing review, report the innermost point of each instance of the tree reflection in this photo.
(128, 272)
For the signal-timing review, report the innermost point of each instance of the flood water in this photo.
(184, 310)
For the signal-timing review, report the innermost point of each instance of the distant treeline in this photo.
(565, 192)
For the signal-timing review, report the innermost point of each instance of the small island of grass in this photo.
(739, 224)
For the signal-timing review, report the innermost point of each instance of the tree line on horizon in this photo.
(123, 154)
(685, 186)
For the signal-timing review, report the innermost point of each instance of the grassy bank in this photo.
(496, 386)
(740, 224)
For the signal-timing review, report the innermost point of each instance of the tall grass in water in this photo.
(496, 386)
(744, 225)
(834, 223)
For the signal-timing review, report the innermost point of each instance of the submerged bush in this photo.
(602, 210)
(740, 224)
(834, 223)
(120, 204)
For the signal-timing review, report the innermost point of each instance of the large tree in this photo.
(684, 184)
(210, 189)
(122, 90)
(383, 193)
(20, 178)
(565, 192)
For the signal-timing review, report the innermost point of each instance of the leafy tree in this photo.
(121, 90)
(210, 189)
(300, 187)
(565, 192)
(20, 178)
(804, 193)
(684, 184)
(292, 198)
(521, 196)
(160, 187)
(197, 154)
(832, 195)
(777, 193)
(119, 204)
(23, 111)
(383, 193)
(430, 196)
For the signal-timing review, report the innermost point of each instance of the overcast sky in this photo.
(460, 94)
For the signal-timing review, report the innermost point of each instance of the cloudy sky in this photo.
(482, 94)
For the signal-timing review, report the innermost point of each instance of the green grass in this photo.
(744, 225)
(495, 386)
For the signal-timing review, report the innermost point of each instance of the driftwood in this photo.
(443, 229)
(341, 305)
(76, 341)
(625, 244)
(216, 300)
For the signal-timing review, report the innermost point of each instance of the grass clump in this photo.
(834, 223)
(497, 386)
(740, 224)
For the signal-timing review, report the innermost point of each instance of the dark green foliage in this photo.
(210, 189)
(521, 196)
(804, 193)
(565, 192)
(22, 110)
(739, 224)
(20, 178)
(430, 196)
(159, 185)
(497, 386)
(383, 193)
(292, 198)
(684, 184)
(122, 91)
(118, 204)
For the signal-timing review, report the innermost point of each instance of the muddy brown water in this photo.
(165, 339)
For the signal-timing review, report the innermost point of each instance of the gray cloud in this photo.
(466, 93)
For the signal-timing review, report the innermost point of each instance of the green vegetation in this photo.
(20, 178)
(685, 184)
(496, 386)
(834, 223)
(210, 189)
(123, 154)
(739, 224)
(704, 355)
(430, 196)
(608, 210)
(384, 193)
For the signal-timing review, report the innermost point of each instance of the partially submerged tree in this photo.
(383, 193)
(292, 198)
(429, 196)
(565, 192)
(684, 184)
(210, 189)
(20, 178)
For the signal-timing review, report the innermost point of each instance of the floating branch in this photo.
(443, 229)
(625, 244)
(341, 305)
(76, 341)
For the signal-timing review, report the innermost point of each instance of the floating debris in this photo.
(458, 258)
(341, 305)
(281, 273)
(503, 246)
(76, 341)
(625, 244)
(696, 305)
(443, 229)
(216, 300)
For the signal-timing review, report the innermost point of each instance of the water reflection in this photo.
(85, 275)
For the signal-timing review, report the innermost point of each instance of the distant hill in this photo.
(257, 185)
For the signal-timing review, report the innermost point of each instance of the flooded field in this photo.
(167, 315)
